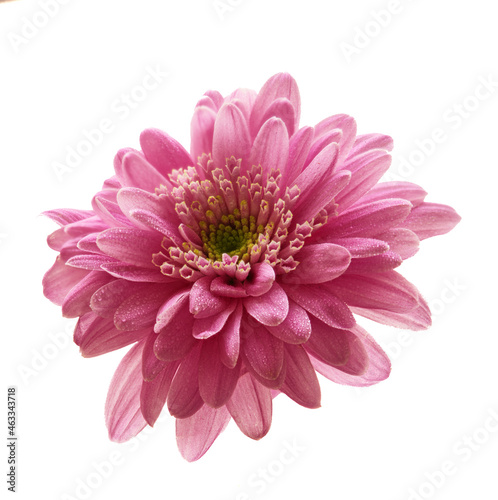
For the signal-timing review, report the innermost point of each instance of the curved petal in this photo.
(431, 219)
(296, 327)
(201, 131)
(271, 308)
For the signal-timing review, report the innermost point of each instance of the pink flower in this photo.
(235, 270)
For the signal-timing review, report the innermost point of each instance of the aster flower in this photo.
(236, 271)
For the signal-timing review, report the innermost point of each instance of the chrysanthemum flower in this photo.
(236, 270)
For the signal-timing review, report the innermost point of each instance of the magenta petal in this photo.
(322, 304)
(431, 219)
(207, 327)
(270, 308)
(229, 338)
(202, 301)
(231, 135)
(201, 131)
(77, 301)
(271, 146)
(260, 279)
(183, 397)
(251, 407)
(123, 417)
(132, 246)
(318, 263)
(196, 434)
(224, 286)
(389, 291)
(301, 383)
(296, 327)
(96, 336)
(154, 393)
(378, 367)
(264, 352)
(164, 152)
(138, 172)
(216, 381)
(60, 279)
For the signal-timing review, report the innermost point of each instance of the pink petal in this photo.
(140, 309)
(183, 397)
(378, 368)
(196, 434)
(229, 338)
(368, 220)
(109, 212)
(389, 291)
(65, 216)
(202, 302)
(108, 298)
(224, 286)
(124, 419)
(296, 327)
(318, 263)
(89, 262)
(328, 344)
(301, 383)
(201, 131)
(231, 135)
(322, 304)
(299, 145)
(138, 172)
(377, 264)
(371, 141)
(207, 327)
(405, 190)
(216, 381)
(264, 353)
(270, 308)
(96, 336)
(60, 279)
(283, 109)
(431, 219)
(281, 85)
(77, 301)
(164, 152)
(361, 247)
(271, 146)
(175, 338)
(154, 393)
(136, 274)
(151, 365)
(318, 184)
(251, 407)
(402, 241)
(131, 246)
(260, 279)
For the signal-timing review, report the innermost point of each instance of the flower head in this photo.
(235, 270)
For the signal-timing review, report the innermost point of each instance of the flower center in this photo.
(234, 235)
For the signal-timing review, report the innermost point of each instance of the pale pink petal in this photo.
(283, 109)
(366, 142)
(299, 146)
(123, 417)
(396, 189)
(301, 383)
(402, 241)
(137, 172)
(201, 131)
(251, 407)
(65, 216)
(60, 279)
(196, 434)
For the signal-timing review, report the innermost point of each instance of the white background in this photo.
(380, 443)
